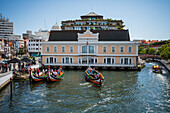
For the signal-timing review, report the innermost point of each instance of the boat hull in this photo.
(54, 79)
(37, 79)
(98, 82)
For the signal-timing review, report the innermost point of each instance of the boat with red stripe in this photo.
(93, 76)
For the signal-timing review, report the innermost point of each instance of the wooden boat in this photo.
(53, 78)
(94, 76)
(35, 78)
(156, 69)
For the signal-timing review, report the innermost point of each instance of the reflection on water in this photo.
(123, 91)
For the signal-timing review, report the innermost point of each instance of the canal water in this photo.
(122, 91)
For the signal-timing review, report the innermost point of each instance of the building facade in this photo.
(6, 27)
(99, 48)
(92, 21)
(34, 46)
(42, 33)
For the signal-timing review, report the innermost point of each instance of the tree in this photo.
(143, 51)
(152, 51)
(164, 51)
(140, 49)
(147, 50)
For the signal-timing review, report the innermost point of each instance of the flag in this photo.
(87, 42)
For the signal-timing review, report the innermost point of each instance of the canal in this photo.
(123, 91)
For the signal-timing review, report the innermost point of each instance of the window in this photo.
(84, 60)
(48, 49)
(84, 49)
(71, 60)
(79, 60)
(55, 49)
(36, 48)
(71, 49)
(91, 49)
(129, 49)
(63, 60)
(51, 59)
(63, 49)
(67, 60)
(126, 61)
(36, 44)
(104, 61)
(113, 49)
(130, 61)
(55, 60)
(121, 49)
(47, 60)
(104, 49)
(121, 61)
(113, 60)
(108, 60)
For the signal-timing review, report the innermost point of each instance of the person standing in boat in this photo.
(60, 70)
(38, 71)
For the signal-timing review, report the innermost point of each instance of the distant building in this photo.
(56, 27)
(92, 21)
(42, 33)
(6, 27)
(34, 46)
(26, 36)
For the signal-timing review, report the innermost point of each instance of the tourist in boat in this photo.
(38, 71)
(55, 74)
(60, 70)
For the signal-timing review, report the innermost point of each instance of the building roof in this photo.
(104, 35)
(92, 14)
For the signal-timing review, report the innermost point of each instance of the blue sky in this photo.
(145, 19)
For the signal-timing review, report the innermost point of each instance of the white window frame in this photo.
(82, 48)
(112, 49)
(69, 62)
(131, 49)
(47, 49)
(62, 49)
(120, 49)
(56, 49)
(89, 47)
(103, 49)
(107, 58)
(70, 49)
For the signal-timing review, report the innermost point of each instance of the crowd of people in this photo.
(55, 73)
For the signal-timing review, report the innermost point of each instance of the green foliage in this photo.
(147, 50)
(140, 49)
(143, 51)
(152, 51)
(164, 51)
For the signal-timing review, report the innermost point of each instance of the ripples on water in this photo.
(123, 91)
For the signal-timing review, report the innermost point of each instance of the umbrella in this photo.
(14, 60)
(26, 60)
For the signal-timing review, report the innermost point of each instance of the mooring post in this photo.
(11, 85)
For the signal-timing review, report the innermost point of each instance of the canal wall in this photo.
(5, 79)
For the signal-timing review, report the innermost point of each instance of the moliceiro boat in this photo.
(92, 75)
(55, 76)
(156, 69)
(35, 78)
